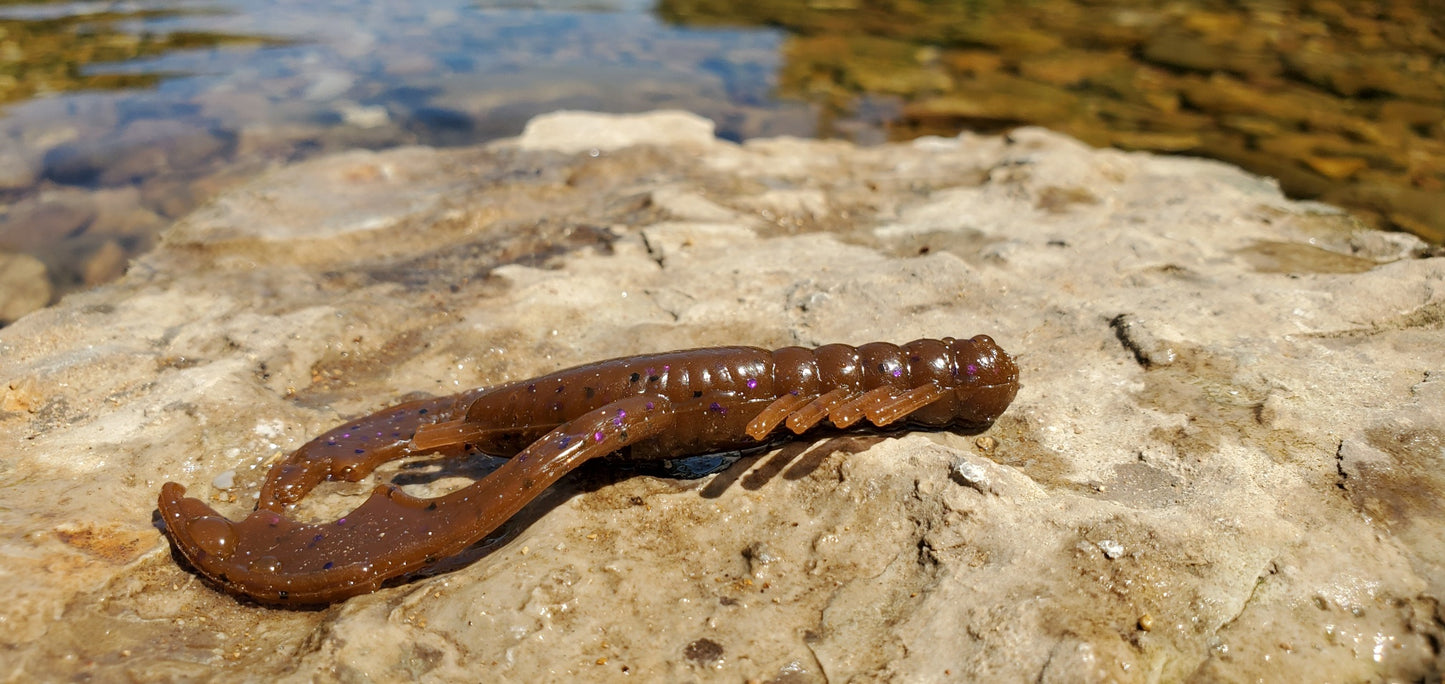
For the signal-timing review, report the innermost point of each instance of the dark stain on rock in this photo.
(1201, 386)
(1140, 485)
(1164, 274)
(703, 652)
(1018, 446)
(1218, 402)
(358, 359)
(965, 243)
(110, 543)
(1057, 200)
(1405, 487)
(1120, 561)
(1136, 336)
(524, 240)
(1429, 316)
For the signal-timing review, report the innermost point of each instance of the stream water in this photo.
(119, 118)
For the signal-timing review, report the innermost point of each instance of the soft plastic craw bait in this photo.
(655, 406)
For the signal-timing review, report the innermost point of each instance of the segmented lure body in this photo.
(658, 406)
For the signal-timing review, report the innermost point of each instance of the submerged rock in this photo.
(24, 285)
(1225, 460)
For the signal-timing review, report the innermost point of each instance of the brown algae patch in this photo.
(1274, 256)
(1218, 404)
(1406, 487)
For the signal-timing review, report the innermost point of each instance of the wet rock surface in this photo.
(1224, 461)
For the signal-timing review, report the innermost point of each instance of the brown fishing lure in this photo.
(654, 406)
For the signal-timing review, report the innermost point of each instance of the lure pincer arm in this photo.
(276, 560)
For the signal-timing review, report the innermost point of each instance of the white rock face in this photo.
(1225, 461)
(595, 133)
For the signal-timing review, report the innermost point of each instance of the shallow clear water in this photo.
(278, 81)
(120, 118)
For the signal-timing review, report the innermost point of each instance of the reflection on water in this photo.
(1341, 100)
(89, 178)
(48, 48)
(121, 121)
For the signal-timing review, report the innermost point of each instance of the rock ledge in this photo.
(1226, 460)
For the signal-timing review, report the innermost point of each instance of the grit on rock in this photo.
(1225, 461)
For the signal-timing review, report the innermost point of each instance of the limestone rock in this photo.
(1225, 461)
(583, 131)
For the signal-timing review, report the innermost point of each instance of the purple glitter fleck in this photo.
(649, 406)
(972, 369)
(897, 372)
(562, 443)
(620, 415)
(341, 521)
(717, 408)
(597, 436)
(327, 566)
(752, 383)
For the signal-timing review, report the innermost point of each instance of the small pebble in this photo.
(969, 475)
(225, 480)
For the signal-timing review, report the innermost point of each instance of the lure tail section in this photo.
(273, 559)
(466, 432)
(351, 451)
